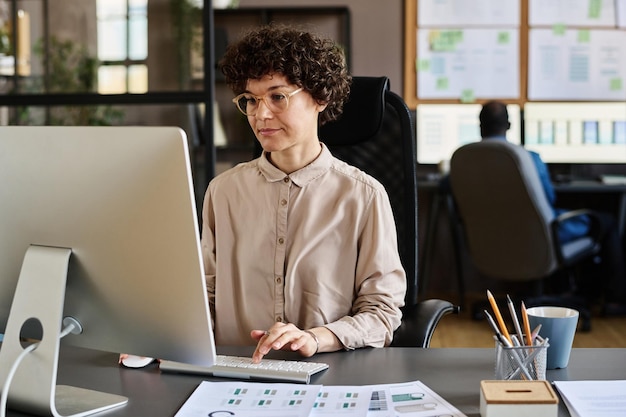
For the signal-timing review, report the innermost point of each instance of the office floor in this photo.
(463, 331)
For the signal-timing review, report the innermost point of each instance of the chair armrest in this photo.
(419, 323)
(594, 235)
(572, 213)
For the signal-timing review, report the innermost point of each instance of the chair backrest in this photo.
(504, 210)
(375, 133)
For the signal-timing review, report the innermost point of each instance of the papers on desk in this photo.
(411, 399)
(593, 398)
(252, 399)
(249, 399)
(613, 179)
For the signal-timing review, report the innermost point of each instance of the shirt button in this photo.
(281, 240)
(279, 280)
(279, 319)
(283, 202)
(286, 179)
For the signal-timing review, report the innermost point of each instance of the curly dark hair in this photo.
(318, 65)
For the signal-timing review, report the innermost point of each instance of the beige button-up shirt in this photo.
(315, 248)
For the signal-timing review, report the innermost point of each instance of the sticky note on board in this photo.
(615, 84)
(437, 41)
(442, 44)
(445, 40)
(467, 96)
(457, 36)
(558, 29)
(423, 65)
(584, 36)
(504, 37)
(442, 83)
(594, 9)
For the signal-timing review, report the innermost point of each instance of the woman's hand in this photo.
(287, 337)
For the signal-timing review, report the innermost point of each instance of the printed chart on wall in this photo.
(621, 13)
(468, 63)
(464, 13)
(577, 64)
(595, 13)
(577, 50)
(461, 54)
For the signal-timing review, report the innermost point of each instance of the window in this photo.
(122, 46)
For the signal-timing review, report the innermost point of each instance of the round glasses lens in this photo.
(279, 102)
(247, 104)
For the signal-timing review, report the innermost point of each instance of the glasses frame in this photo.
(263, 98)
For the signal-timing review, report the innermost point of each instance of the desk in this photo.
(441, 202)
(454, 374)
(596, 187)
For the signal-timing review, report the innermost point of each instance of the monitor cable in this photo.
(71, 326)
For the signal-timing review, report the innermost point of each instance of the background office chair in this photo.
(375, 133)
(509, 226)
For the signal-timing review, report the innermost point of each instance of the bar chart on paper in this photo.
(247, 399)
(252, 399)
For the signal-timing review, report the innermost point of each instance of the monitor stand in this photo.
(40, 295)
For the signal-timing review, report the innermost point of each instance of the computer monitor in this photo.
(442, 128)
(578, 133)
(98, 224)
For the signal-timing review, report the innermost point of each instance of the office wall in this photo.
(377, 34)
(74, 19)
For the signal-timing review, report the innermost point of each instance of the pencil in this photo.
(529, 336)
(497, 332)
(518, 329)
(496, 312)
(535, 332)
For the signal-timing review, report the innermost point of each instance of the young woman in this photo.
(300, 248)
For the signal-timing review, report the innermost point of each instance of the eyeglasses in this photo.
(276, 101)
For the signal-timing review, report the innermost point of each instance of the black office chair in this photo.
(375, 133)
(509, 226)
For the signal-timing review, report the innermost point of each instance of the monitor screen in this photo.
(619, 132)
(593, 133)
(442, 128)
(99, 224)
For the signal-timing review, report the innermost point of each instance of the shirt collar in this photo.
(301, 177)
(499, 137)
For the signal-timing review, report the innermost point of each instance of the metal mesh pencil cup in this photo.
(521, 362)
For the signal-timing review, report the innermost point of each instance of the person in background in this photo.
(300, 249)
(494, 122)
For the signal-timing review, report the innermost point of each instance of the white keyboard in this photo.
(243, 368)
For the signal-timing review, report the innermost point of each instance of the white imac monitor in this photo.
(98, 226)
(442, 128)
(585, 133)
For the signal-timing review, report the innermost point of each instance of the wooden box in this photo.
(518, 399)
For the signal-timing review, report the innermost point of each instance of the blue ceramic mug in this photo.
(559, 325)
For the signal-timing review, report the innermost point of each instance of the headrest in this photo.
(362, 115)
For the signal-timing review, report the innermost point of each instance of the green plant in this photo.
(71, 69)
(5, 41)
(185, 17)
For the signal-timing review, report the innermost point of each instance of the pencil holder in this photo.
(521, 362)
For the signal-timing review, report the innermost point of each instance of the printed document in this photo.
(256, 399)
(594, 398)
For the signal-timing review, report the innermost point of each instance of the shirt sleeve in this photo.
(544, 177)
(571, 228)
(207, 244)
(380, 283)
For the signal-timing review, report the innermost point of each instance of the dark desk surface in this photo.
(455, 374)
(588, 186)
(567, 188)
(574, 186)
